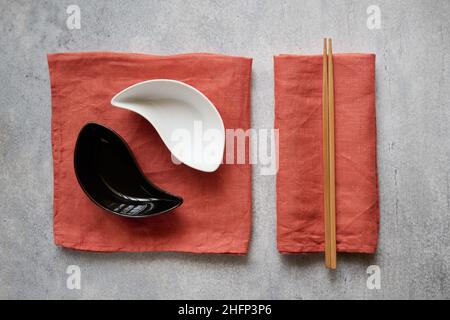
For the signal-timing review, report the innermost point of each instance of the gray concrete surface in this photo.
(413, 112)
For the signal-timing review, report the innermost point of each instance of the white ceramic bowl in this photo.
(186, 120)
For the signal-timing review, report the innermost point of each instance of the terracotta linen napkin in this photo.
(216, 214)
(298, 116)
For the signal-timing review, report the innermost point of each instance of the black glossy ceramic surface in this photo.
(109, 174)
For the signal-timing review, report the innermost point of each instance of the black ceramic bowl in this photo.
(110, 176)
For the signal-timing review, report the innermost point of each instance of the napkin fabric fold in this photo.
(298, 116)
(216, 214)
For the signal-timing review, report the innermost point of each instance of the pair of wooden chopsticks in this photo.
(328, 155)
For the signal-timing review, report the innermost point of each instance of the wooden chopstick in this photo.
(329, 156)
(326, 156)
(331, 150)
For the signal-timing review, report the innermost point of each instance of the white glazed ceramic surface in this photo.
(186, 120)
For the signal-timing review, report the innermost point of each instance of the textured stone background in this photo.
(413, 112)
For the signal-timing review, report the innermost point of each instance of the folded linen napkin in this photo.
(298, 116)
(216, 214)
